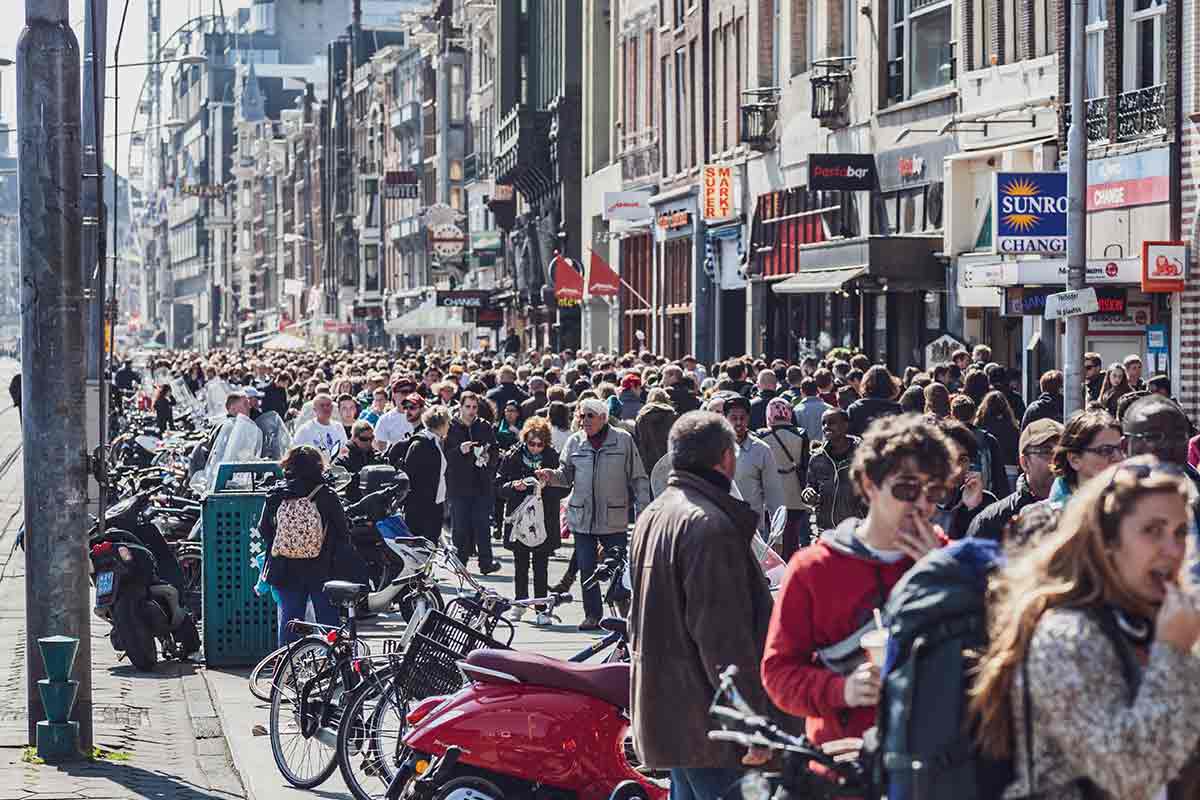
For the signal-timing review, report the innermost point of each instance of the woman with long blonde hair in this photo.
(1089, 685)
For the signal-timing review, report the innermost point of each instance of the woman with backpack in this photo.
(1089, 684)
(425, 464)
(306, 538)
(515, 482)
(789, 445)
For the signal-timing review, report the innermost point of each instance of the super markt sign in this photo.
(1030, 213)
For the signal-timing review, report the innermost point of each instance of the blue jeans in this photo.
(471, 524)
(705, 783)
(293, 603)
(587, 555)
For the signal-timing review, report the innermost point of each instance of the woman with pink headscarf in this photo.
(789, 445)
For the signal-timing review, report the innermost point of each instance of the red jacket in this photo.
(828, 593)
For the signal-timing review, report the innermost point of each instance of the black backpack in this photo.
(937, 620)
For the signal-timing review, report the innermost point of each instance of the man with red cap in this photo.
(631, 396)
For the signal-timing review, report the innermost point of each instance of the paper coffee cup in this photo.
(875, 643)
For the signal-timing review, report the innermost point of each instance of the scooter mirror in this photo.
(340, 476)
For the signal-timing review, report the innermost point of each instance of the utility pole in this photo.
(53, 310)
(1076, 210)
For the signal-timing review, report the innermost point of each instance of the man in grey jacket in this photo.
(601, 466)
(757, 477)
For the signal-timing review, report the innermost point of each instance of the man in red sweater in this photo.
(813, 665)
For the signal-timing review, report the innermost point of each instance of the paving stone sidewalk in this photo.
(162, 728)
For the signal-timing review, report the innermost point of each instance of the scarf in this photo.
(503, 427)
(530, 460)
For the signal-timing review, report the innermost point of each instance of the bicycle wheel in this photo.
(368, 744)
(263, 674)
(304, 761)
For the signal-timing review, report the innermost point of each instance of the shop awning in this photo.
(429, 319)
(819, 281)
(257, 338)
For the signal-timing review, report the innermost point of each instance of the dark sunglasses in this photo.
(1155, 440)
(909, 491)
(408, 406)
(365, 438)
(535, 443)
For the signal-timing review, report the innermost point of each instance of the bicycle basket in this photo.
(430, 664)
(469, 612)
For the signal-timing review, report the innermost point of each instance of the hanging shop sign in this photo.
(1164, 266)
(841, 172)
(401, 185)
(1025, 302)
(463, 298)
(674, 220)
(1136, 179)
(940, 349)
(447, 240)
(485, 240)
(202, 190)
(717, 186)
(1030, 210)
(905, 167)
(628, 206)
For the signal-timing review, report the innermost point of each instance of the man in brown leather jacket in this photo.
(700, 604)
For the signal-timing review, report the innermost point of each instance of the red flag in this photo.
(602, 280)
(568, 283)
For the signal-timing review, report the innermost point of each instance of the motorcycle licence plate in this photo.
(104, 584)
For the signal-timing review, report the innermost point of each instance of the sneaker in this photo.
(543, 620)
(589, 624)
(490, 569)
(517, 613)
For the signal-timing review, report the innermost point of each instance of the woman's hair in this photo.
(878, 382)
(913, 400)
(910, 372)
(976, 385)
(560, 415)
(303, 461)
(658, 395)
(1081, 429)
(1107, 390)
(937, 400)
(962, 408)
(1071, 567)
(995, 408)
(961, 435)
(435, 418)
(537, 427)
(890, 441)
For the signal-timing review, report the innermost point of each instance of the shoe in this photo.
(542, 620)
(490, 569)
(564, 585)
(517, 613)
(589, 624)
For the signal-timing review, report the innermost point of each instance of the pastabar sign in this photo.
(1030, 210)
(841, 172)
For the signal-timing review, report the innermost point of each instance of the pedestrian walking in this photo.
(471, 459)
(789, 446)
(424, 462)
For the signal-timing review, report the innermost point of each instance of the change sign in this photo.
(1030, 212)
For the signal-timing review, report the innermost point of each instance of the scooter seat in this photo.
(607, 682)
(344, 594)
(615, 625)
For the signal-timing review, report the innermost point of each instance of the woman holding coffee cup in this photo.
(1091, 647)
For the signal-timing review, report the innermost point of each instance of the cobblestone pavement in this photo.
(161, 730)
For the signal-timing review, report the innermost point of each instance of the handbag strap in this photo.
(788, 453)
(313, 493)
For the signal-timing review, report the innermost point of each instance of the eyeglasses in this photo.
(1154, 440)
(1108, 451)
(536, 444)
(1044, 452)
(908, 491)
(408, 406)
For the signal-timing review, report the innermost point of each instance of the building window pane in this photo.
(849, 26)
(930, 52)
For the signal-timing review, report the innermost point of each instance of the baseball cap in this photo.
(734, 400)
(1041, 432)
(252, 393)
(415, 399)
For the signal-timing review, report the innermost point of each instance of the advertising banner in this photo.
(1030, 213)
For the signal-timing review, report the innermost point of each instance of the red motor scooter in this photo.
(527, 726)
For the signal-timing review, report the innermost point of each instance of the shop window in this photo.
(920, 49)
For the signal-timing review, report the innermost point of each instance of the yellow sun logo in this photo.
(1021, 188)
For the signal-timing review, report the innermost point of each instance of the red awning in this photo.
(602, 280)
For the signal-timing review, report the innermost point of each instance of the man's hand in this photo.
(465, 447)
(925, 539)
(544, 475)
(343, 451)
(972, 494)
(810, 496)
(862, 686)
(756, 757)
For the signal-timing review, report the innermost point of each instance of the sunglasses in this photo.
(1108, 451)
(1157, 439)
(408, 406)
(909, 491)
(536, 444)
(365, 438)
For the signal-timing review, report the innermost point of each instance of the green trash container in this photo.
(239, 626)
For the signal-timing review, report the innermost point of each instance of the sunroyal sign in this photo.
(841, 172)
(717, 187)
(1030, 210)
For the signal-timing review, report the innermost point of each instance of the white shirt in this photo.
(393, 426)
(326, 438)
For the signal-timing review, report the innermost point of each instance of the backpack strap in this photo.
(313, 493)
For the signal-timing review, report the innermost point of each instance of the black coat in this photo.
(462, 476)
(274, 399)
(513, 469)
(164, 413)
(758, 408)
(423, 463)
(1045, 406)
(992, 522)
(338, 559)
(683, 400)
(866, 410)
(505, 392)
(354, 461)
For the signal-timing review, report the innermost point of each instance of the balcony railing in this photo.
(831, 91)
(639, 155)
(477, 167)
(1142, 113)
(760, 113)
(1097, 119)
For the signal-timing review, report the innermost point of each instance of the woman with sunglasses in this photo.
(516, 480)
(813, 666)
(1090, 444)
(1089, 683)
